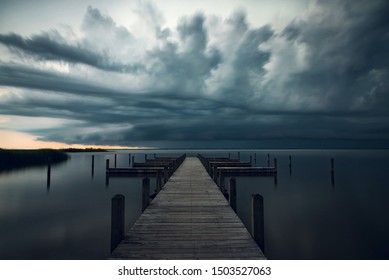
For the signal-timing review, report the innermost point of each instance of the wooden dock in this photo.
(188, 219)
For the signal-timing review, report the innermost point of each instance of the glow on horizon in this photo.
(24, 141)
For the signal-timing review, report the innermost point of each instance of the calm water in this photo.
(307, 216)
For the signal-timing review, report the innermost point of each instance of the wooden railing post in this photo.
(117, 220)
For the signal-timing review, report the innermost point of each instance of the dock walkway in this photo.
(188, 219)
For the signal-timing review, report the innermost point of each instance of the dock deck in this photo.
(188, 219)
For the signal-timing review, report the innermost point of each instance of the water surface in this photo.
(307, 214)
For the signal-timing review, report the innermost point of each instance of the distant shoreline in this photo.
(15, 159)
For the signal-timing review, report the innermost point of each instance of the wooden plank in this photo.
(188, 219)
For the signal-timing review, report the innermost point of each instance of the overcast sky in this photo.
(194, 74)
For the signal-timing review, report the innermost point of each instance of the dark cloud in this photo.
(211, 82)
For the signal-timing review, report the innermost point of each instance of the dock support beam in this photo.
(232, 194)
(145, 193)
(117, 220)
(257, 220)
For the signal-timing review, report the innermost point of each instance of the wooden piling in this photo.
(106, 164)
(290, 164)
(257, 220)
(145, 193)
(48, 172)
(115, 160)
(165, 174)
(268, 160)
(117, 220)
(221, 181)
(159, 181)
(232, 193)
(129, 159)
(275, 163)
(255, 159)
(133, 159)
(251, 159)
(93, 165)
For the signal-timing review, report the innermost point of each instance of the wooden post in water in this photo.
(275, 163)
(106, 164)
(238, 156)
(133, 159)
(165, 174)
(221, 181)
(48, 173)
(129, 159)
(159, 181)
(145, 193)
(257, 220)
(290, 164)
(232, 193)
(93, 165)
(255, 159)
(115, 160)
(117, 220)
(251, 159)
(268, 160)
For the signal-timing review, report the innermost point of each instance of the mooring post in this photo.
(166, 174)
(232, 193)
(255, 159)
(117, 220)
(251, 159)
(133, 160)
(275, 163)
(115, 160)
(106, 164)
(268, 160)
(145, 193)
(214, 174)
(93, 165)
(48, 172)
(159, 181)
(257, 220)
(129, 159)
(221, 178)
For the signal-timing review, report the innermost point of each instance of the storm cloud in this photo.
(210, 81)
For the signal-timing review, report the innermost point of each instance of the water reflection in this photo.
(304, 218)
